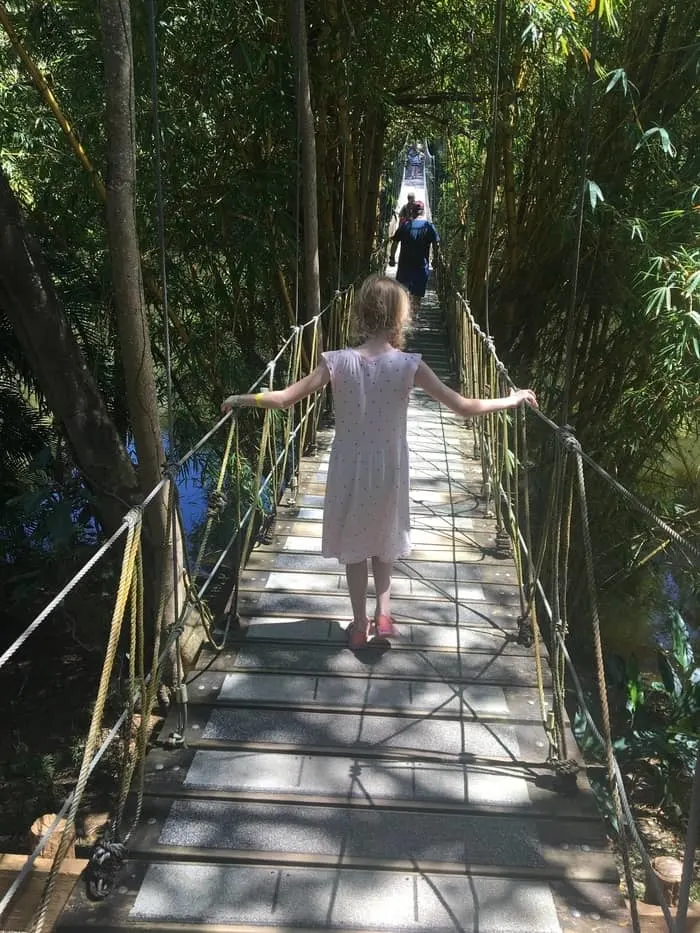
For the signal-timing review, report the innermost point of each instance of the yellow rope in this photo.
(482, 381)
(130, 593)
(309, 402)
(126, 584)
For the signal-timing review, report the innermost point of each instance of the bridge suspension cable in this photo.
(278, 459)
(505, 449)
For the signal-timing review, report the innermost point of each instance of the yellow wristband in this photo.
(258, 398)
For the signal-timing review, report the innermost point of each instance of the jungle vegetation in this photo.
(518, 108)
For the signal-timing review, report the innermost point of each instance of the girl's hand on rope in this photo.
(242, 401)
(524, 395)
(233, 401)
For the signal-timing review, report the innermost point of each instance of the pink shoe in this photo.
(357, 636)
(384, 627)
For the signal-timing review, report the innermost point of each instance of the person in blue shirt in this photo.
(416, 236)
(414, 163)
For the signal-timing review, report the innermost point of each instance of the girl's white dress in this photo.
(366, 512)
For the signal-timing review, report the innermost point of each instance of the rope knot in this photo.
(177, 629)
(571, 443)
(106, 860)
(170, 469)
(525, 635)
(501, 368)
(565, 776)
(503, 544)
(134, 517)
(217, 503)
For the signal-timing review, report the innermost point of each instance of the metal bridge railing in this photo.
(554, 558)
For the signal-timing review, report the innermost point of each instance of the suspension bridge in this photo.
(429, 784)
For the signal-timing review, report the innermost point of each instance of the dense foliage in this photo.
(522, 137)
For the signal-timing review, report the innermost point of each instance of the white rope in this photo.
(111, 736)
(31, 859)
(674, 535)
(129, 517)
(60, 596)
(251, 507)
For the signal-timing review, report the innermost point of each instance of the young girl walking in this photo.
(366, 509)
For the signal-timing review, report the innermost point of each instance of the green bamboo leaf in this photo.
(637, 231)
(594, 193)
(692, 284)
(664, 138)
(670, 678)
(618, 75)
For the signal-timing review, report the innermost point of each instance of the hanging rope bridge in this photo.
(502, 444)
(246, 496)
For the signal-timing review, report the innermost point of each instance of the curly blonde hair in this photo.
(381, 306)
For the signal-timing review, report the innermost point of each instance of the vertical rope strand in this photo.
(492, 177)
(602, 688)
(571, 317)
(155, 115)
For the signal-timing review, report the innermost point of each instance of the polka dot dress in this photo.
(366, 511)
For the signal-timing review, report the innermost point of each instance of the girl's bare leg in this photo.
(356, 575)
(381, 571)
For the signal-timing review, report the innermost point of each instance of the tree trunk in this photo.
(480, 240)
(351, 209)
(132, 321)
(28, 299)
(163, 569)
(371, 231)
(312, 285)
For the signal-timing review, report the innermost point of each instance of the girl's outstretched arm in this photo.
(465, 407)
(282, 398)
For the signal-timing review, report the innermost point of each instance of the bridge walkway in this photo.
(400, 787)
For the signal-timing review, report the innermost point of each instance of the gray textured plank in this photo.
(341, 899)
(290, 581)
(366, 834)
(402, 696)
(366, 781)
(337, 606)
(478, 701)
(349, 778)
(436, 571)
(481, 640)
(378, 734)
(410, 665)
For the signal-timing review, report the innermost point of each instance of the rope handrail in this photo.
(562, 431)
(170, 471)
(131, 585)
(583, 705)
(482, 374)
(251, 508)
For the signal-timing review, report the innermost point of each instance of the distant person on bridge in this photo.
(416, 237)
(414, 163)
(406, 212)
(366, 508)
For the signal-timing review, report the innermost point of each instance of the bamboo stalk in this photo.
(51, 102)
(151, 286)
